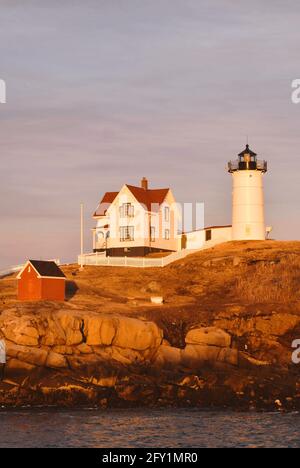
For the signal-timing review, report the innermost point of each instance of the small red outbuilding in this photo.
(41, 281)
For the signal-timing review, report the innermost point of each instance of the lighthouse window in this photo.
(208, 235)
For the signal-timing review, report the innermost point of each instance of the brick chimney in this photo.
(144, 183)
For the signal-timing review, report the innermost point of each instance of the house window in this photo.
(208, 235)
(126, 210)
(152, 233)
(167, 214)
(126, 233)
(167, 234)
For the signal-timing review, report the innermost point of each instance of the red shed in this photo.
(41, 281)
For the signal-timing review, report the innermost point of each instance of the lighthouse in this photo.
(248, 220)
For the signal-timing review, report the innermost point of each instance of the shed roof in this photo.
(47, 269)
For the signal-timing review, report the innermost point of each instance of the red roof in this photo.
(151, 199)
(105, 203)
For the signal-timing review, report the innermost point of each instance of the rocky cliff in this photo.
(201, 348)
(69, 357)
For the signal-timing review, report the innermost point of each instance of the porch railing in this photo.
(99, 259)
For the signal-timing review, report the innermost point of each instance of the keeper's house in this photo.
(136, 221)
(41, 281)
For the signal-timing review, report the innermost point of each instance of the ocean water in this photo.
(184, 428)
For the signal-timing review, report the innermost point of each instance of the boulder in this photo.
(35, 356)
(247, 361)
(84, 348)
(104, 381)
(194, 356)
(100, 330)
(157, 300)
(72, 326)
(229, 356)
(165, 342)
(137, 334)
(210, 336)
(56, 361)
(12, 349)
(21, 330)
(18, 367)
(169, 357)
(236, 261)
(192, 381)
(122, 356)
(54, 335)
(63, 349)
(101, 351)
(84, 361)
(123, 332)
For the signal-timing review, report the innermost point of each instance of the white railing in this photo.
(10, 270)
(99, 259)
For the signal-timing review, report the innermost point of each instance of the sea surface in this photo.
(147, 428)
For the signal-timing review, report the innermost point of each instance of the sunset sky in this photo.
(103, 92)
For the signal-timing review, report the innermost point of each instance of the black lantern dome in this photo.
(247, 161)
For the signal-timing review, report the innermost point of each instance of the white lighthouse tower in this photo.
(248, 220)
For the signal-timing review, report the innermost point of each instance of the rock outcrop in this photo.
(73, 357)
(50, 340)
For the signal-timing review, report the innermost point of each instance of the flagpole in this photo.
(81, 236)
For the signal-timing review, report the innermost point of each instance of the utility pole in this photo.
(81, 236)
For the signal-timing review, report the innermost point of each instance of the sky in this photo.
(103, 92)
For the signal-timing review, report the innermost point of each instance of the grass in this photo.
(270, 281)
